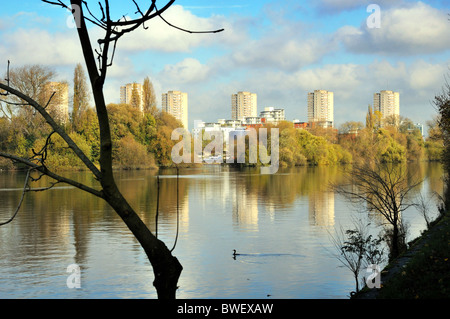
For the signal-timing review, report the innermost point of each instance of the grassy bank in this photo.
(423, 272)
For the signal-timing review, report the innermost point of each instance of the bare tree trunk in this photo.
(395, 237)
(166, 268)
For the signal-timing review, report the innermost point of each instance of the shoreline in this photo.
(197, 165)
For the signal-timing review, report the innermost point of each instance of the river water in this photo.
(281, 224)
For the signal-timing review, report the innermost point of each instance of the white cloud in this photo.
(161, 37)
(36, 46)
(187, 71)
(424, 75)
(412, 30)
(337, 6)
(282, 52)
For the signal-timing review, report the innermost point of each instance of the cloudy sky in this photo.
(280, 50)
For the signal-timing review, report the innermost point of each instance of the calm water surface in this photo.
(280, 223)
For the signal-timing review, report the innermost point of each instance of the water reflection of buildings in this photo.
(321, 208)
(245, 208)
(231, 191)
(184, 213)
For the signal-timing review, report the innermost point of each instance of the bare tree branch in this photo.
(188, 31)
(25, 186)
(51, 174)
(50, 99)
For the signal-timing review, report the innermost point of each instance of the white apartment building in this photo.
(126, 93)
(272, 115)
(321, 108)
(387, 103)
(243, 104)
(252, 120)
(59, 103)
(228, 128)
(176, 104)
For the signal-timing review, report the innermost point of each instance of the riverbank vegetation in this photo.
(423, 271)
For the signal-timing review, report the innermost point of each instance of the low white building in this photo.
(272, 115)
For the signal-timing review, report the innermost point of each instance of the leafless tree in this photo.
(356, 249)
(382, 188)
(442, 104)
(166, 267)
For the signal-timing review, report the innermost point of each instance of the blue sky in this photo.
(280, 50)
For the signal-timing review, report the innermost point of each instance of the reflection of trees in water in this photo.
(435, 179)
(141, 191)
(51, 212)
(62, 212)
(282, 189)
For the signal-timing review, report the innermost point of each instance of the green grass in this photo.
(427, 274)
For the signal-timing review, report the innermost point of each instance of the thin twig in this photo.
(25, 186)
(157, 206)
(178, 216)
(188, 31)
(7, 80)
(49, 100)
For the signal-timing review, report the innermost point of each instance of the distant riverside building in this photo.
(252, 120)
(176, 104)
(300, 124)
(243, 104)
(126, 94)
(272, 115)
(419, 126)
(321, 108)
(387, 103)
(228, 128)
(59, 103)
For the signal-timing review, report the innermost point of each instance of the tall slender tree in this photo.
(80, 96)
(149, 97)
(136, 100)
(370, 121)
